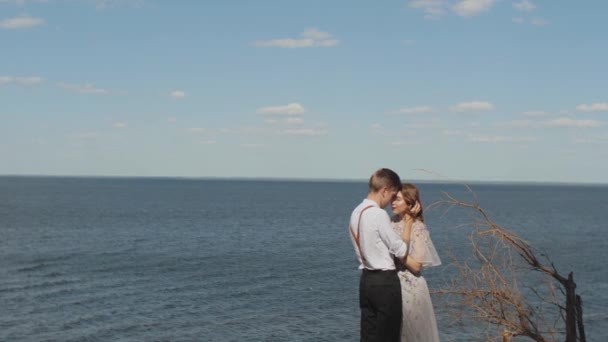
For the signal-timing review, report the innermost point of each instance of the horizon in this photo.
(483, 90)
(311, 180)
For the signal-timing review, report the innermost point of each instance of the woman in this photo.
(419, 322)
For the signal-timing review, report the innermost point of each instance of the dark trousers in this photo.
(380, 303)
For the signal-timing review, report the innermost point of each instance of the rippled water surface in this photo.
(85, 259)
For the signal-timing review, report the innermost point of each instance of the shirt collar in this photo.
(370, 202)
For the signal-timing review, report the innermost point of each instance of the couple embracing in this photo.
(393, 296)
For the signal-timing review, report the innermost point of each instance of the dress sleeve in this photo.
(422, 249)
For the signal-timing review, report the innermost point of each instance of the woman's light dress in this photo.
(419, 324)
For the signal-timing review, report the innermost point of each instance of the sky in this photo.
(479, 90)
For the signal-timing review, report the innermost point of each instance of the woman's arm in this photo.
(406, 233)
(412, 265)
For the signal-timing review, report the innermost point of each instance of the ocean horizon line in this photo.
(308, 180)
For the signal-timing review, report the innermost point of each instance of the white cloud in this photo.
(559, 122)
(172, 119)
(29, 80)
(309, 38)
(539, 22)
(178, 94)
(198, 130)
(567, 122)
(83, 89)
(378, 129)
(252, 145)
(289, 121)
(106, 4)
(432, 8)
(495, 139)
(22, 2)
(470, 8)
(592, 140)
(451, 132)
(25, 81)
(294, 121)
(536, 21)
(535, 113)
(315, 34)
(85, 136)
(524, 6)
(120, 125)
(433, 123)
(595, 107)
(473, 106)
(286, 43)
(242, 130)
(290, 109)
(414, 110)
(99, 4)
(404, 143)
(518, 124)
(20, 23)
(304, 131)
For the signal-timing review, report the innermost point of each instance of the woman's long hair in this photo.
(411, 195)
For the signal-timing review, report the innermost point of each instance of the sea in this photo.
(170, 259)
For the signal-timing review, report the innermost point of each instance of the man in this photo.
(376, 243)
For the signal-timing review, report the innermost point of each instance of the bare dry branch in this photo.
(489, 291)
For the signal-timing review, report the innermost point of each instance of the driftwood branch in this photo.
(488, 289)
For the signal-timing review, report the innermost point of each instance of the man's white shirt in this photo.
(379, 242)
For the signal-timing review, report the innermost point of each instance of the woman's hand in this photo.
(416, 208)
(413, 211)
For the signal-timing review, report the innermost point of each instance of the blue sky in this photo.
(472, 90)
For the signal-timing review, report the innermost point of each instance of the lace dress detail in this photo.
(419, 323)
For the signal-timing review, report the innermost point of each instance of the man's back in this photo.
(379, 288)
(377, 240)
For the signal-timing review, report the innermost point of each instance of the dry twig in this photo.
(488, 288)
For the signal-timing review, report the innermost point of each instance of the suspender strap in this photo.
(356, 237)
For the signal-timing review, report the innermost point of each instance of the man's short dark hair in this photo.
(384, 178)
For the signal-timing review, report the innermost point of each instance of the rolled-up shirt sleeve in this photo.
(391, 239)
